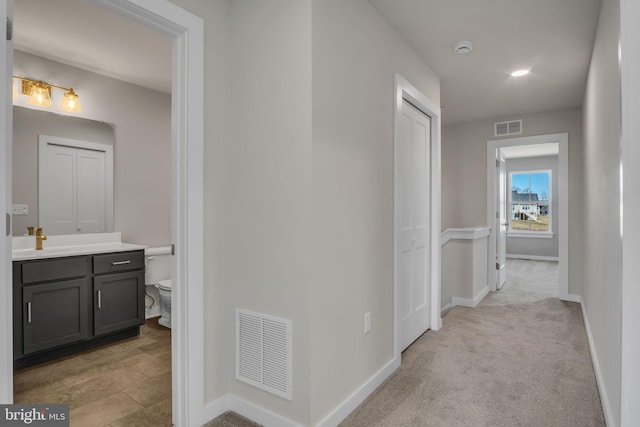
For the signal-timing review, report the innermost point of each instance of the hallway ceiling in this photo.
(552, 37)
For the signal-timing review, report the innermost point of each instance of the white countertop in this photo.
(71, 245)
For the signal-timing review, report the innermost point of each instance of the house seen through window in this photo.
(530, 201)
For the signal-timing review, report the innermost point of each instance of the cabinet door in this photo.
(118, 301)
(55, 314)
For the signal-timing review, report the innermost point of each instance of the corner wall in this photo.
(602, 266)
(464, 174)
(355, 56)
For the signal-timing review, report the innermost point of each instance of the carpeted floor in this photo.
(520, 358)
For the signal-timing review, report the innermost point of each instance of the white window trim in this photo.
(531, 234)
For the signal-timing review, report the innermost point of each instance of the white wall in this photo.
(141, 120)
(537, 246)
(355, 56)
(464, 174)
(602, 246)
(27, 125)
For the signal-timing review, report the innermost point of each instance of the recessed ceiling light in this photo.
(520, 73)
(463, 47)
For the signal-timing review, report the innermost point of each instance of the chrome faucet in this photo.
(39, 238)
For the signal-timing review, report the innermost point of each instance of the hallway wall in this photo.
(464, 174)
(602, 267)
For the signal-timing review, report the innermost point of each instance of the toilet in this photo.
(159, 283)
(164, 287)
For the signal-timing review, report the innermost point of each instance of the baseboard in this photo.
(571, 298)
(604, 398)
(341, 412)
(534, 257)
(470, 302)
(231, 402)
(445, 309)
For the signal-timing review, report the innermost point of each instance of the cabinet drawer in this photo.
(121, 261)
(55, 269)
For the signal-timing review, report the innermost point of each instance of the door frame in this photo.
(405, 90)
(187, 32)
(562, 139)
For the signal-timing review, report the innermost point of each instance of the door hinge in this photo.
(9, 29)
(173, 249)
(8, 224)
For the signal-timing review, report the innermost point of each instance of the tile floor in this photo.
(122, 384)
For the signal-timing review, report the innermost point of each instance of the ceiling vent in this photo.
(513, 127)
(263, 352)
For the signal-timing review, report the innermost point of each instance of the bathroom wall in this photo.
(27, 125)
(141, 122)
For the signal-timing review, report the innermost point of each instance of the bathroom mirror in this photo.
(28, 126)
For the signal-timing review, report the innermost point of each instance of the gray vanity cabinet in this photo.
(64, 305)
(55, 314)
(118, 297)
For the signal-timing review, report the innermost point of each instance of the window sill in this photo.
(530, 234)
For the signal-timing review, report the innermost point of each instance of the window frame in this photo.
(530, 233)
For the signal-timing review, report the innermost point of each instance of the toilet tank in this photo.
(158, 264)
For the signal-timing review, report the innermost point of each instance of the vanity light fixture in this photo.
(39, 93)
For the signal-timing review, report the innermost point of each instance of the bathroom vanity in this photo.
(71, 298)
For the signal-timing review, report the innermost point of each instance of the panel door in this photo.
(91, 187)
(118, 301)
(501, 223)
(55, 314)
(60, 191)
(412, 234)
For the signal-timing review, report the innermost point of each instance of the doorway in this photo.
(186, 30)
(495, 149)
(417, 196)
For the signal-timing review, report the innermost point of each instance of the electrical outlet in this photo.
(367, 322)
(20, 209)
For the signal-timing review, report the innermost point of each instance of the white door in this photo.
(412, 222)
(501, 222)
(73, 191)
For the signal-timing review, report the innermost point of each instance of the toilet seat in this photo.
(165, 285)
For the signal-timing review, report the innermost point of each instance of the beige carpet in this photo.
(520, 358)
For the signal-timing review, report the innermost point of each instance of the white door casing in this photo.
(406, 91)
(501, 221)
(75, 186)
(562, 139)
(413, 234)
(6, 117)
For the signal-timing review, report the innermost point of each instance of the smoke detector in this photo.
(463, 47)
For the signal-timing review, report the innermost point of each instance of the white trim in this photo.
(529, 235)
(534, 257)
(562, 139)
(43, 142)
(231, 402)
(405, 90)
(468, 233)
(573, 298)
(604, 398)
(445, 309)
(465, 302)
(347, 406)
(6, 289)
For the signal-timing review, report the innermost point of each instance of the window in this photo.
(530, 202)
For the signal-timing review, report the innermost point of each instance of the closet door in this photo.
(91, 194)
(58, 214)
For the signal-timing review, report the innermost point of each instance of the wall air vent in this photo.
(263, 352)
(513, 127)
